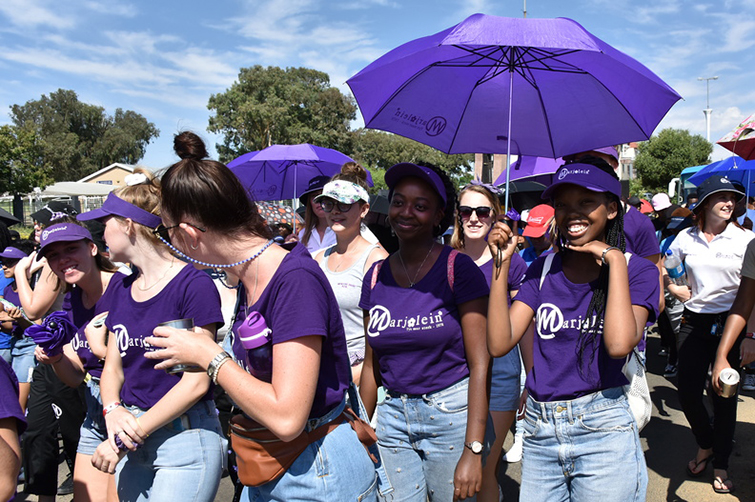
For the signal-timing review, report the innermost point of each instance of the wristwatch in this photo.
(475, 446)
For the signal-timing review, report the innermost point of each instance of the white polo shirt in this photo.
(713, 268)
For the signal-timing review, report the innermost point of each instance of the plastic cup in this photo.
(729, 379)
(181, 324)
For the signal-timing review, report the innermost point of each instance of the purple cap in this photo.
(395, 173)
(11, 252)
(62, 232)
(606, 150)
(585, 175)
(115, 206)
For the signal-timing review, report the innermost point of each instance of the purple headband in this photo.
(13, 253)
(489, 187)
(115, 206)
(585, 175)
(61, 232)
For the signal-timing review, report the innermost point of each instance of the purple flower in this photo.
(55, 331)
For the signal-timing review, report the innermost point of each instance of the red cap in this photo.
(538, 221)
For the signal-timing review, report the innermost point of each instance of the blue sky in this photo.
(164, 59)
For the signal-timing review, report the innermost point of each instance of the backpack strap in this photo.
(546, 268)
(375, 273)
(450, 267)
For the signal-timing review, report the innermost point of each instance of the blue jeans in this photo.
(181, 461)
(504, 385)
(587, 449)
(94, 429)
(421, 439)
(336, 467)
(22, 352)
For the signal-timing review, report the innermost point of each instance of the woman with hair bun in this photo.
(346, 202)
(424, 309)
(300, 381)
(164, 438)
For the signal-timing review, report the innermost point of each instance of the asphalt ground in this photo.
(667, 441)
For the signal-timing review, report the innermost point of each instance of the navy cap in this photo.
(399, 171)
(712, 185)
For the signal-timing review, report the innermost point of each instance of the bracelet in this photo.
(110, 407)
(214, 367)
(142, 428)
(750, 335)
(605, 251)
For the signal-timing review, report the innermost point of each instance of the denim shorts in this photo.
(180, 461)
(504, 386)
(421, 439)
(93, 430)
(22, 352)
(335, 467)
(586, 449)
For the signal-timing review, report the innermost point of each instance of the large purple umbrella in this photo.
(527, 166)
(540, 87)
(283, 171)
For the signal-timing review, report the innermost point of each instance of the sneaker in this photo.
(66, 487)
(749, 383)
(670, 371)
(515, 452)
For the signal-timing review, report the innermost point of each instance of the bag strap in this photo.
(546, 268)
(450, 267)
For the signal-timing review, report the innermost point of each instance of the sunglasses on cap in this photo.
(328, 205)
(465, 212)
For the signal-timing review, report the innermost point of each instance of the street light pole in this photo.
(707, 110)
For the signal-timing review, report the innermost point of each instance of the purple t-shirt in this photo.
(80, 317)
(416, 332)
(560, 307)
(517, 269)
(190, 294)
(640, 234)
(297, 302)
(9, 407)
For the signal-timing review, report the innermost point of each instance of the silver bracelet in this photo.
(214, 367)
(605, 251)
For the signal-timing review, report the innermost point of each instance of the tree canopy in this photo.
(21, 164)
(77, 139)
(663, 157)
(272, 105)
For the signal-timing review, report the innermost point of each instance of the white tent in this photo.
(74, 188)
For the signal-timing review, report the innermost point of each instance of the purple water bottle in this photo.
(255, 338)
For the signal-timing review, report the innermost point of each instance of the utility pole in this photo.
(707, 110)
(525, 9)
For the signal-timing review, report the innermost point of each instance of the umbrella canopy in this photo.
(742, 139)
(735, 168)
(527, 166)
(283, 171)
(278, 213)
(8, 218)
(548, 85)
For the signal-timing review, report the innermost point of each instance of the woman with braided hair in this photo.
(590, 303)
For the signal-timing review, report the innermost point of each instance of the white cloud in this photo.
(113, 7)
(739, 35)
(35, 13)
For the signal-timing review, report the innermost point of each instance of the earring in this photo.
(193, 247)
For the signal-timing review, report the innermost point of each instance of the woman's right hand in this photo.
(720, 365)
(502, 238)
(122, 423)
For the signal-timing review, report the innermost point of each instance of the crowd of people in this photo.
(173, 336)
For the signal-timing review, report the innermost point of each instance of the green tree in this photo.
(77, 138)
(379, 150)
(21, 164)
(662, 157)
(267, 106)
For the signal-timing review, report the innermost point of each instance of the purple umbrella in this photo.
(527, 166)
(460, 90)
(283, 171)
(55, 331)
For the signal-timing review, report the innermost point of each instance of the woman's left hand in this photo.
(181, 346)
(106, 459)
(595, 248)
(468, 475)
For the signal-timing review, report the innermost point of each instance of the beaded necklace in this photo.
(214, 265)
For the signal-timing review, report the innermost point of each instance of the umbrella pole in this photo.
(508, 143)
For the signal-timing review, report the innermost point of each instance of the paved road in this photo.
(668, 444)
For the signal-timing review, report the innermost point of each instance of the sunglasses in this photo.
(328, 205)
(465, 212)
(162, 231)
(9, 262)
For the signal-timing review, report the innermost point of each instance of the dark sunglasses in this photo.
(482, 211)
(162, 231)
(328, 205)
(9, 262)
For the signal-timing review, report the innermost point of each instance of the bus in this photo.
(680, 187)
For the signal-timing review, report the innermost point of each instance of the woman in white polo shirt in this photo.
(712, 252)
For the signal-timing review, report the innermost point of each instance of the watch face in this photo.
(475, 446)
